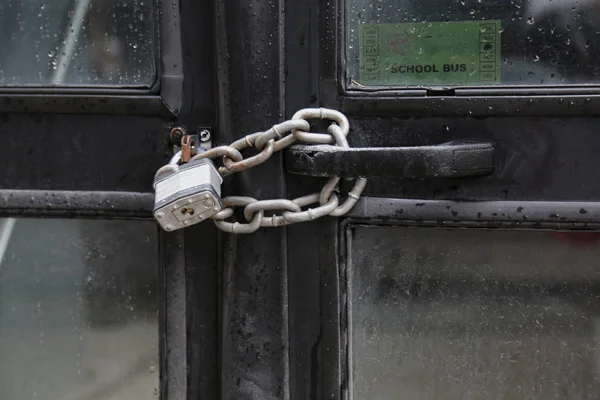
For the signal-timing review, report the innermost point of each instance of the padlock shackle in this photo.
(176, 158)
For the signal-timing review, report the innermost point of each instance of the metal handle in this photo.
(454, 159)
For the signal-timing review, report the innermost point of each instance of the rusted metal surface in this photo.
(176, 134)
(187, 148)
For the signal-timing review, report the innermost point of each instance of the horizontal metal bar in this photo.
(448, 160)
(394, 91)
(500, 211)
(69, 103)
(76, 204)
(469, 106)
(583, 90)
(79, 90)
(379, 91)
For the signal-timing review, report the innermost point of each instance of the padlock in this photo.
(186, 194)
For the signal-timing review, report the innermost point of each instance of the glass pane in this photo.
(78, 310)
(77, 43)
(472, 42)
(471, 314)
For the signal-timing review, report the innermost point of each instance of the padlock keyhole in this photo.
(187, 211)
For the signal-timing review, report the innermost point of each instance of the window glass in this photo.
(78, 310)
(77, 43)
(472, 42)
(471, 314)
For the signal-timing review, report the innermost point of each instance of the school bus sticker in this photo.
(430, 53)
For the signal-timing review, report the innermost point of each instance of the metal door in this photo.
(468, 280)
(95, 302)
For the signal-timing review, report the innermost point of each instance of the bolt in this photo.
(176, 134)
(204, 136)
(160, 215)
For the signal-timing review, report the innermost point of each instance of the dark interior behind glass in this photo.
(77, 43)
(474, 314)
(79, 310)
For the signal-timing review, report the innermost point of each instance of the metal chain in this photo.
(280, 137)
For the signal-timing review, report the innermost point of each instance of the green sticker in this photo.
(430, 53)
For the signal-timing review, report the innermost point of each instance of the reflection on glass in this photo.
(77, 43)
(471, 314)
(78, 310)
(472, 42)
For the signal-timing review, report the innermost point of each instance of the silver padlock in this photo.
(186, 194)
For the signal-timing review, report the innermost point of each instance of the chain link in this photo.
(275, 139)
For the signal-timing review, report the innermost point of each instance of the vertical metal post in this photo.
(173, 316)
(255, 346)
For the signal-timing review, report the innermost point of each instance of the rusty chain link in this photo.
(275, 139)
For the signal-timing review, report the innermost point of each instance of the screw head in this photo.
(168, 228)
(176, 134)
(160, 215)
(204, 135)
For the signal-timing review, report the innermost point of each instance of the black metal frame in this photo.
(275, 297)
(459, 102)
(162, 99)
(541, 179)
(251, 65)
(73, 204)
